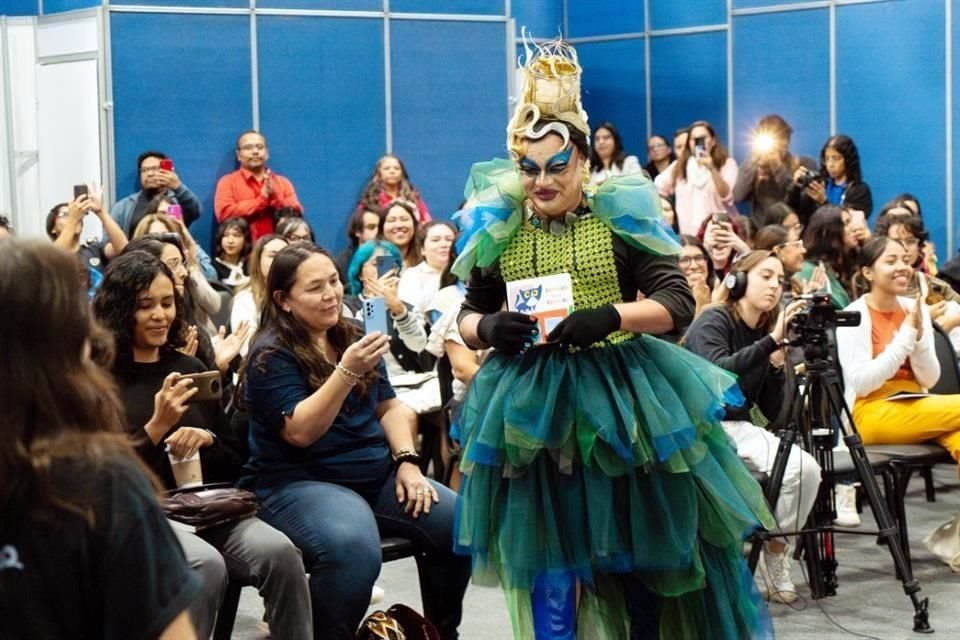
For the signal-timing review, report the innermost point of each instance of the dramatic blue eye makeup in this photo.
(560, 160)
(557, 163)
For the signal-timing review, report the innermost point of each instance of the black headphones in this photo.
(736, 284)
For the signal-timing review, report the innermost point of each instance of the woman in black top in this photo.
(744, 335)
(85, 551)
(139, 304)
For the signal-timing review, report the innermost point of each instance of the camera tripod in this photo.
(816, 411)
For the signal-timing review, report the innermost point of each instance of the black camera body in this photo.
(820, 316)
(808, 176)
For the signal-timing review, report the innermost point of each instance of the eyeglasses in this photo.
(912, 241)
(149, 170)
(686, 261)
(253, 146)
(792, 243)
(656, 145)
(293, 237)
(797, 228)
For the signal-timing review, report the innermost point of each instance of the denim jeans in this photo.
(338, 532)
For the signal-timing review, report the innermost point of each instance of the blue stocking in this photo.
(553, 600)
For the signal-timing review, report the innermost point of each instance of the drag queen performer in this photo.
(598, 480)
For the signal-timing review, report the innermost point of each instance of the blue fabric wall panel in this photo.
(449, 104)
(19, 8)
(751, 4)
(484, 7)
(684, 93)
(56, 6)
(955, 38)
(593, 18)
(321, 106)
(893, 105)
(781, 65)
(193, 118)
(614, 89)
(676, 14)
(219, 4)
(343, 5)
(542, 18)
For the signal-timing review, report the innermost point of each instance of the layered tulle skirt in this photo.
(604, 462)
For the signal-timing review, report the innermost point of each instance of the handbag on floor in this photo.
(944, 542)
(399, 622)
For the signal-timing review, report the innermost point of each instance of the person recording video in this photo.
(744, 334)
(765, 178)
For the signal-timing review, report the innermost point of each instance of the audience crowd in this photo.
(335, 428)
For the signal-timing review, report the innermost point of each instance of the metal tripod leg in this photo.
(889, 530)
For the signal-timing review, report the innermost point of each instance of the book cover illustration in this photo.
(549, 298)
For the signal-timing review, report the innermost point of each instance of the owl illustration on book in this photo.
(527, 299)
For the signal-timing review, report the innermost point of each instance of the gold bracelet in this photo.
(404, 452)
(346, 372)
(346, 379)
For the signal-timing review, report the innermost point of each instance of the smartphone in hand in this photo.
(80, 190)
(175, 211)
(385, 264)
(209, 386)
(374, 316)
(166, 164)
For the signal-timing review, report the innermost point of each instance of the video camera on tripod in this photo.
(810, 325)
(819, 315)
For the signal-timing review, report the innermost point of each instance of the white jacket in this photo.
(864, 374)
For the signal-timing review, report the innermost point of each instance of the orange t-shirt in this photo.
(885, 325)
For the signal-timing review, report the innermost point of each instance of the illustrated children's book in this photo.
(549, 298)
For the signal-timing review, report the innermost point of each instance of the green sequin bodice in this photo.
(585, 251)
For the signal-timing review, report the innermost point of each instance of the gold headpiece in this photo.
(551, 89)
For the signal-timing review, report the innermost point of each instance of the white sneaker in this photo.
(376, 595)
(775, 570)
(845, 497)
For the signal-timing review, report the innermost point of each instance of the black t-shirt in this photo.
(123, 577)
(730, 344)
(139, 382)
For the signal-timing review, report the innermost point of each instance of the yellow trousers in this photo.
(882, 421)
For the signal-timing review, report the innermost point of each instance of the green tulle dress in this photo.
(607, 460)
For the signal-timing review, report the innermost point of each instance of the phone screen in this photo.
(385, 264)
(374, 316)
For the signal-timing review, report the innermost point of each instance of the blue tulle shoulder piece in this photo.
(491, 216)
(493, 212)
(630, 206)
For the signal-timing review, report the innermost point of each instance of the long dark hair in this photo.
(290, 333)
(694, 241)
(768, 320)
(718, 154)
(115, 304)
(413, 249)
(618, 154)
(370, 199)
(868, 256)
(240, 225)
(851, 157)
(823, 239)
(57, 404)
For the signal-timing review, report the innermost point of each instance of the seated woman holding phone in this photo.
(702, 179)
(332, 454)
(173, 411)
(374, 281)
